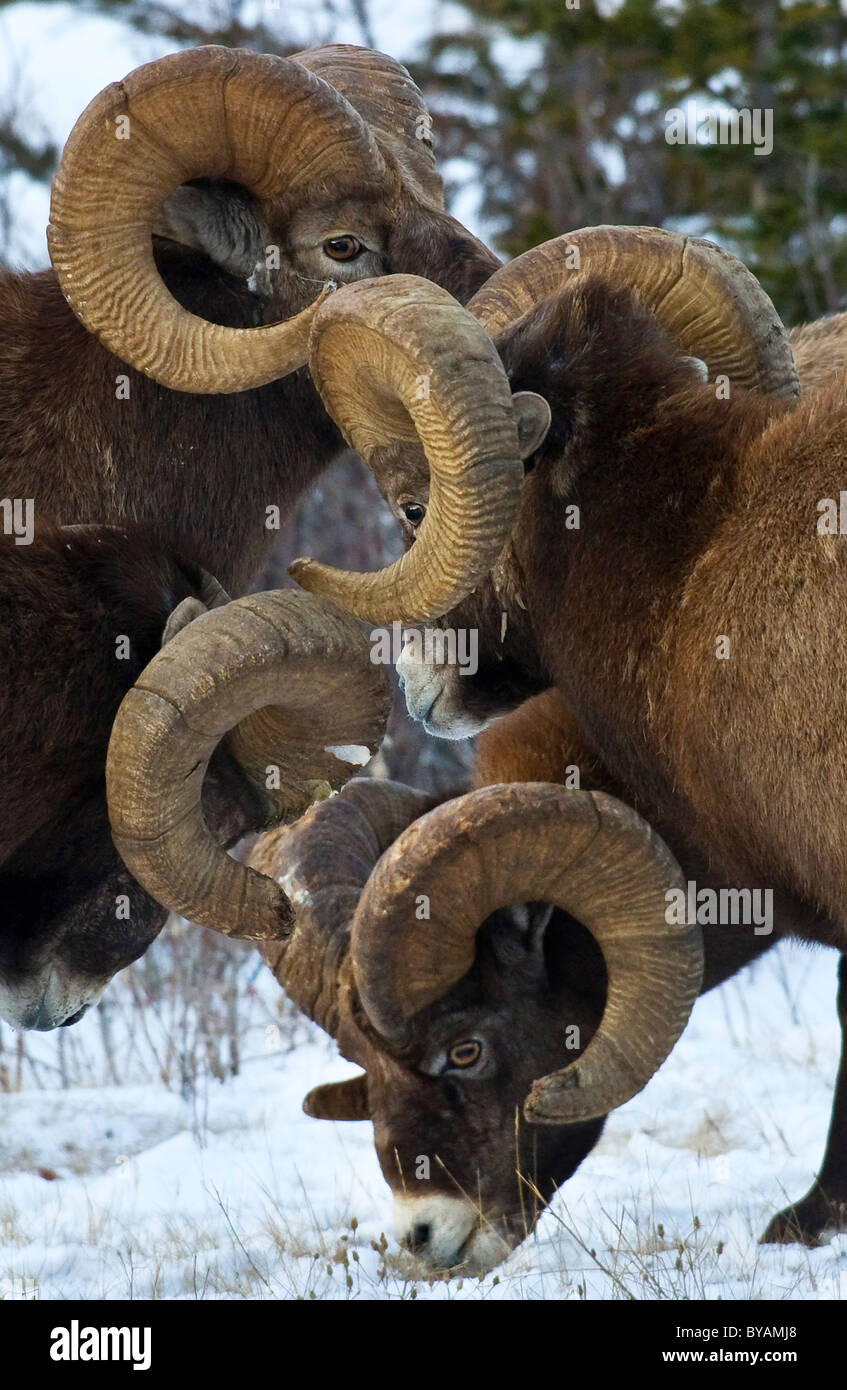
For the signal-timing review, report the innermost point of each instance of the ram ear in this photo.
(532, 416)
(184, 613)
(218, 219)
(520, 939)
(211, 594)
(339, 1100)
(532, 920)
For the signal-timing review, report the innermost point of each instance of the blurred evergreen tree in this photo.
(559, 107)
(565, 126)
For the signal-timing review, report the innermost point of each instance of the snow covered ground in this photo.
(200, 1188)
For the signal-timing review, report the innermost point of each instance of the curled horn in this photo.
(267, 123)
(385, 95)
(288, 679)
(398, 358)
(584, 852)
(325, 860)
(705, 299)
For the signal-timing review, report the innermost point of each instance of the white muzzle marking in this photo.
(434, 697)
(47, 998)
(448, 1233)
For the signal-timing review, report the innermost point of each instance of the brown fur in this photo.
(203, 466)
(535, 971)
(541, 741)
(67, 598)
(697, 521)
(820, 350)
(182, 475)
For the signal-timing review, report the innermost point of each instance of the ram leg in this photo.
(824, 1207)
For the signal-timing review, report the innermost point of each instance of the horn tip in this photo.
(555, 1100)
(318, 579)
(325, 581)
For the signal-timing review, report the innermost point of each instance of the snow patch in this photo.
(297, 895)
(355, 753)
(225, 1189)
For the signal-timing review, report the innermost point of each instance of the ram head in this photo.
(501, 968)
(287, 173)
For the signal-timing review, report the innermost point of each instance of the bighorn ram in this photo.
(370, 344)
(83, 621)
(464, 954)
(463, 1015)
(674, 571)
(331, 149)
(411, 985)
(418, 962)
(262, 179)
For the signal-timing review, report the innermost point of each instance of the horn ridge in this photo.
(704, 297)
(288, 681)
(592, 856)
(209, 112)
(399, 358)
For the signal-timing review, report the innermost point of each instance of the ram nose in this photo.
(74, 1018)
(419, 1237)
(56, 997)
(43, 1018)
(449, 1235)
(421, 683)
(434, 696)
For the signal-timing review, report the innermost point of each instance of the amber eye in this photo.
(414, 512)
(464, 1054)
(343, 248)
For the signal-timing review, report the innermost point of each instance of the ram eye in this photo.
(343, 248)
(464, 1054)
(414, 512)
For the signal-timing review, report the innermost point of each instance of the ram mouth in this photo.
(459, 1259)
(424, 719)
(471, 1261)
(482, 1251)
